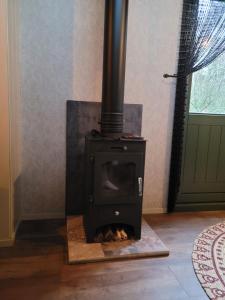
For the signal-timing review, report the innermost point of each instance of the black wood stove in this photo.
(114, 160)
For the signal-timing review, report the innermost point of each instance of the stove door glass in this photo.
(117, 178)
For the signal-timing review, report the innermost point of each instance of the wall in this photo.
(153, 35)
(61, 58)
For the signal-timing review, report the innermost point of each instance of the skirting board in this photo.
(8, 242)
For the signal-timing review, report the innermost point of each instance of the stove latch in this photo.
(140, 187)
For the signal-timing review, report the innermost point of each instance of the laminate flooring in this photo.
(35, 268)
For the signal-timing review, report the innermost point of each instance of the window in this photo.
(208, 88)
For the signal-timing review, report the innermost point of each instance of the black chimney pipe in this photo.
(115, 36)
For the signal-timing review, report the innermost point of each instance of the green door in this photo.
(203, 164)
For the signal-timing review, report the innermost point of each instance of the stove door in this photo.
(118, 177)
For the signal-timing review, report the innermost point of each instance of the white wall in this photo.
(61, 46)
(153, 35)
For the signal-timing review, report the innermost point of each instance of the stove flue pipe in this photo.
(115, 36)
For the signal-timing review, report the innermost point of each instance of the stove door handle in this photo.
(140, 186)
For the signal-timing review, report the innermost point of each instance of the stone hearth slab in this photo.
(79, 251)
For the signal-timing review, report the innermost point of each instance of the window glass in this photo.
(208, 88)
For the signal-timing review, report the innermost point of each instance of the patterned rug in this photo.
(209, 260)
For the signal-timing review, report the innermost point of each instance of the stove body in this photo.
(114, 184)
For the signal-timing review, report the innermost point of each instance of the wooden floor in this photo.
(36, 267)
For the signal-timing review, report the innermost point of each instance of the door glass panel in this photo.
(208, 88)
(118, 178)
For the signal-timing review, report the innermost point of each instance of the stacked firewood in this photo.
(110, 234)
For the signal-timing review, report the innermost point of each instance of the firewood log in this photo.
(99, 238)
(123, 234)
(108, 235)
(118, 235)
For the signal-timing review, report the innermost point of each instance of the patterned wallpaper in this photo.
(61, 58)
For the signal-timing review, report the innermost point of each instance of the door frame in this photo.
(183, 88)
(10, 138)
(6, 191)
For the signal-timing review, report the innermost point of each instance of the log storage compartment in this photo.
(113, 184)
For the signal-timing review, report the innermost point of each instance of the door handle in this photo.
(140, 186)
